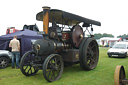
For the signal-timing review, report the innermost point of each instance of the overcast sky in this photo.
(113, 14)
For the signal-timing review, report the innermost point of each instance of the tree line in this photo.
(99, 35)
(124, 36)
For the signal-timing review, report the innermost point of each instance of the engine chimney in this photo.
(46, 19)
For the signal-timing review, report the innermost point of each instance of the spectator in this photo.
(15, 45)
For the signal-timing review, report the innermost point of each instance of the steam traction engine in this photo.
(64, 43)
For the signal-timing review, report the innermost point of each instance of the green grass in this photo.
(73, 75)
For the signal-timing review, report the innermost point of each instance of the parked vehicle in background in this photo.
(11, 30)
(31, 27)
(5, 57)
(120, 49)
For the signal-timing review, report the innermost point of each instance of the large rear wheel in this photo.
(89, 54)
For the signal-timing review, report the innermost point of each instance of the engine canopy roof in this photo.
(66, 18)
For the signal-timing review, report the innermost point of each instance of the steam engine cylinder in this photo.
(46, 46)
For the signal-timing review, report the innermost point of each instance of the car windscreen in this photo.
(120, 46)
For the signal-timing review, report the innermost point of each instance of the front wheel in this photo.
(53, 67)
(25, 65)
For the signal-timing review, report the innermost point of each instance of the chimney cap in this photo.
(46, 7)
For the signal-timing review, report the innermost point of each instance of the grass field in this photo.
(73, 75)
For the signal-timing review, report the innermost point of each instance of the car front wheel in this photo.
(3, 62)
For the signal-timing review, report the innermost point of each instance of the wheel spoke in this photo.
(92, 60)
(49, 74)
(31, 70)
(89, 49)
(28, 70)
(55, 60)
(93, 46)
(53, 74)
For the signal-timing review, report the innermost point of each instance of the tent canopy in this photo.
(25, 37)
(20, 34)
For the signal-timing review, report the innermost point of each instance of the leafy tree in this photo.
(99, 35)
(107, 35)
(124, 36)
